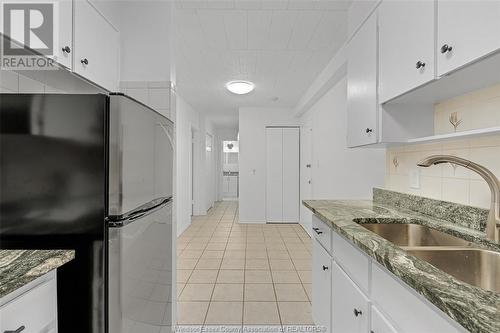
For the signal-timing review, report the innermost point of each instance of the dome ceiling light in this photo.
(240, 87)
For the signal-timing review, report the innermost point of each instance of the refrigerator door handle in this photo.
(120, 221)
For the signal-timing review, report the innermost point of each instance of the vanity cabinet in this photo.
(406, 46)
(97, 45)
(350, 305)
(321, 286)
(466, 31)
(32, 308)
(362, 74)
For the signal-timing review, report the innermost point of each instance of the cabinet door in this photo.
(96, 46)
(321, 286)
(470, 29)
(349, 305)
(291, 178)
(274, 174)
(379, 324)
(406, 46)
(64, 52)
(362, 85)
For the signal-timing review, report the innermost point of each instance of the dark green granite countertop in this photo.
(19, 267)
(476, 309)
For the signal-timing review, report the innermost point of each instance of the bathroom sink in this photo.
(477, 267)
(407, 235)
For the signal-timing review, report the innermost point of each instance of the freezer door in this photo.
(140, 272)
(140, 156)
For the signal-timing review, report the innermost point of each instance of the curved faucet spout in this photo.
(493, 223)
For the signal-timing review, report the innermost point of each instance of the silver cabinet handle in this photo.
(20, 329)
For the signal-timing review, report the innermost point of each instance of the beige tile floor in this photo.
(243, 274)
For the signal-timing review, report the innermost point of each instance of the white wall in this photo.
(336, 172)
(146, 37)
(186, 120)
(477, 109)
(252, 129)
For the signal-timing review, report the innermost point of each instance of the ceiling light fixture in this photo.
(240, 87)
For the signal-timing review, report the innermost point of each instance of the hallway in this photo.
(243, 274)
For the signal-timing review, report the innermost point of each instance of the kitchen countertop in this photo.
(19, 267)
(476, 309)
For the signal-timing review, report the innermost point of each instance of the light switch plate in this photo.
(415, 178)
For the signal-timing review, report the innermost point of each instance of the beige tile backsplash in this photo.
(479, 109)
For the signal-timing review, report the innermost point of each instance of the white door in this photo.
(291, 175)
(467, 30)
(406, 46)
(97, 45)
(349, 305)
(321, 286)
(274, 175)
(362, 85)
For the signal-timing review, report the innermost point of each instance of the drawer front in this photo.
(323, 233)
(36, 310)
(379, 324)
(321, 286)
(416, 315)
(353, 261)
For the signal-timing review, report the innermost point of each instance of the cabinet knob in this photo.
(357, 312)
(420, 64)
(84, 61)
(318, 231)
(66, 49)
(446, 48)
(325, 267)
(308, 165)
(369, 130)
(20, 329)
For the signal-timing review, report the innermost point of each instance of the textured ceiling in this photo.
(281, 46)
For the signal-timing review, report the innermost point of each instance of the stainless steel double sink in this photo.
(453, 255)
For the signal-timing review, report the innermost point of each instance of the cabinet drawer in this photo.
(416, 315)
(323, 233)
(353, 261)
(36, 310)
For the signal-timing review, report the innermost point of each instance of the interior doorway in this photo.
(230, 170)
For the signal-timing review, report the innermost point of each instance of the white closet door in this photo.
(291, 181)
(274, 182)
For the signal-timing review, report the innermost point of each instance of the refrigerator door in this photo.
(140, 272)
(140, 157)
(53, 193)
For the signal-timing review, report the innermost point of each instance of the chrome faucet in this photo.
(493, 223)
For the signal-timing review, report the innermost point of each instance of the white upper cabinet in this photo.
(466, 31)
(406, 46)
(64, 52)
(362, 85)
(97, 46)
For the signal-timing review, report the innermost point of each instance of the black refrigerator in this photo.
(92, 173)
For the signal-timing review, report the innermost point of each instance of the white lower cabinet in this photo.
(321, 286)
(379, 324)
(364, 297)
(32, 309)
(350, 306)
